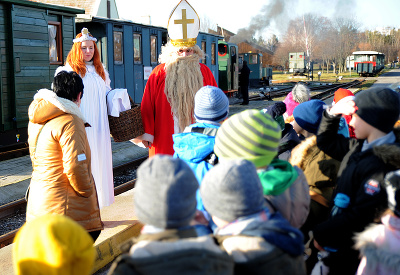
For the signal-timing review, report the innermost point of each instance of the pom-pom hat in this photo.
(85, 36)
(251, 135)
(210, 105)
(183, 25)
(342, 95)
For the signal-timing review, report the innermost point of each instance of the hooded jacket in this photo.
(379, 247)
(62, 182)
(263, 243)
(319, 168)
(196, 146)
(286, 190)
(173, 251)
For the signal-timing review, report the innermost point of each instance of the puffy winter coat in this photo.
(62, 182)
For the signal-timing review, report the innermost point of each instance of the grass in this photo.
(279, 76)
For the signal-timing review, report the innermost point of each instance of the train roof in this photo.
(367, 52)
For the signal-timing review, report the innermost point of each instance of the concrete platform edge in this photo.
(109, 249)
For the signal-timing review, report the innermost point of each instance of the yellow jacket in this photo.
(62, 182)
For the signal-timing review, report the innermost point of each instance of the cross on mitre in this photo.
(183, 25)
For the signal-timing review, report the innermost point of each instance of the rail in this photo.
(19, 206)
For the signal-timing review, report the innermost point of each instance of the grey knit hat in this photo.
(165, 192)
(378, 107)
(232, 189)
(210, 105)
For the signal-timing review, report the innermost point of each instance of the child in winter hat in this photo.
(165, 193)
(254, 135)
(165, 201)
(364, 163)
(53, 244)
(246, 229)
(378, 107)
(211, 105)
(196, 144)
(319, 168)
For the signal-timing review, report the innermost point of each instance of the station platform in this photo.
(15, 174)
(120, 224)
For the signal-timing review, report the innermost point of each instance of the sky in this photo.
(270, 16)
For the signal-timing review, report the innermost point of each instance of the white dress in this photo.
(94, 108)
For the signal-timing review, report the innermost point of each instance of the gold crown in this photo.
(183, 25)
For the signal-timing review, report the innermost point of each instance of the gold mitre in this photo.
(183, 25)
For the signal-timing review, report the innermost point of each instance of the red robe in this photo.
(156, 110)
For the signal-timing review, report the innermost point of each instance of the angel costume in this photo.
(94, 108)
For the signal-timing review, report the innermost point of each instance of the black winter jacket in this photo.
(360, 176)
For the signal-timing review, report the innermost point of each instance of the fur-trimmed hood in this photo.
(390, 153)
(379, 244)
(302, 151)
(47, 105)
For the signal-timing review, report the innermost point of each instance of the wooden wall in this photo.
(266, 58)
(25, 64)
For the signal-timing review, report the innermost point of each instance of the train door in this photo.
(138, 66)
(118, 50)
(234, 67)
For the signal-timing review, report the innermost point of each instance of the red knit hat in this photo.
(341, 94)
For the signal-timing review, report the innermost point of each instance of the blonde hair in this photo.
(183, 80)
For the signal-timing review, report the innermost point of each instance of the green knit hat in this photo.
(251, 135)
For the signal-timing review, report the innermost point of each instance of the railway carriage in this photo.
(36, 38)
(298, 63)
(368, 63)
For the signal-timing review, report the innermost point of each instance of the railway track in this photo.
(14, 151)
(327, 91)
(19, 206)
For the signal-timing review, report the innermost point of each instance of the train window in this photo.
(213, 61)
(203, 47)
(253, 59)
(118, 52)
(137, 48)
(153, 49)
(55, 43)
(222, 50)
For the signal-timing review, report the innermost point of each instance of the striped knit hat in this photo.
(251, 135)
(210, 105)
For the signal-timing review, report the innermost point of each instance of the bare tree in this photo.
(207, 23)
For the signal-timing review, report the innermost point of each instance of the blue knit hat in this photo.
(308, 115)
(210, 105)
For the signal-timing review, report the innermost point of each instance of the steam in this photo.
(278, 14)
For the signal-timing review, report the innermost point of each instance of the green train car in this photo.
(298, 63)
(35, 39)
